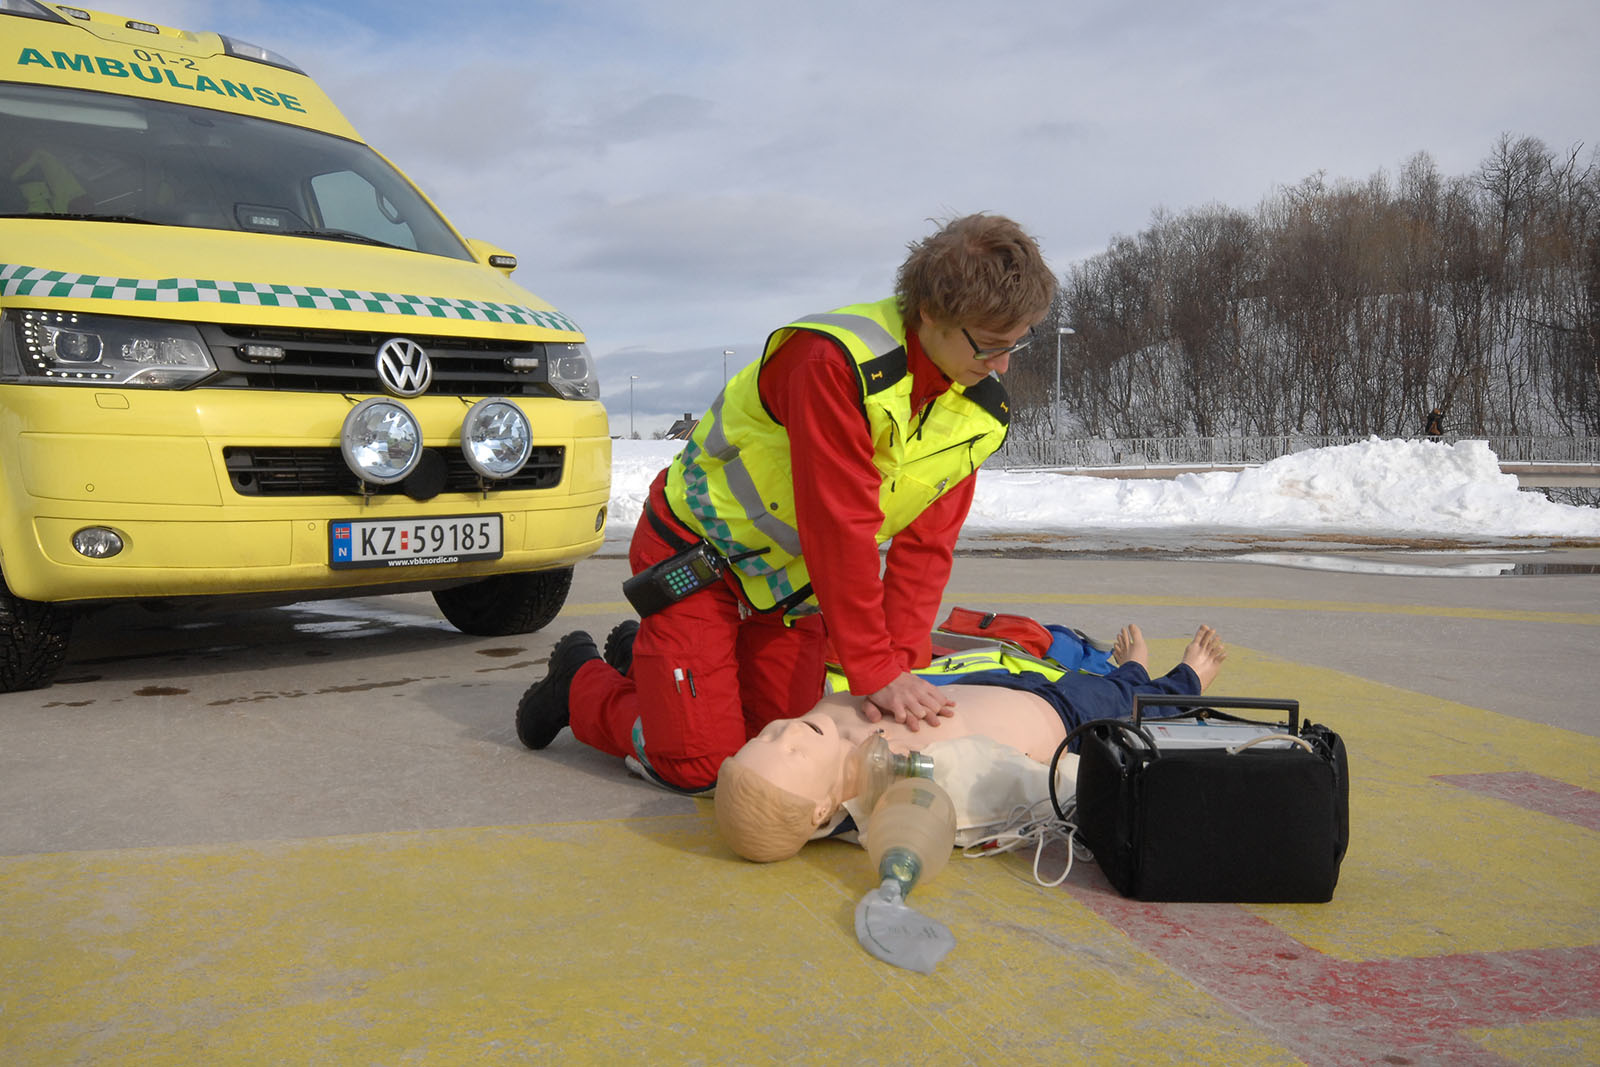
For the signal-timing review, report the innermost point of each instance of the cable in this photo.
(1236, 749)
(1054, 818)
(1034, 824)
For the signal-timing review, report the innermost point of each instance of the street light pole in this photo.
(726, 352)
(1061, 331)
(631, 379)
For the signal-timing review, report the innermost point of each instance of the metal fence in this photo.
(1247, 451)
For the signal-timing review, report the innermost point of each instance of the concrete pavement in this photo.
(309, 835)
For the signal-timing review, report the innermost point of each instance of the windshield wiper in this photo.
(343, 235)
(78, 216)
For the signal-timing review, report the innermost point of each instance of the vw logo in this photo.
(403, 367)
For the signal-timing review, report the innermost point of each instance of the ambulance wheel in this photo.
(33, 641)
(506, 603)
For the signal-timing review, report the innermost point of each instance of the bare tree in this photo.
(1348, 308)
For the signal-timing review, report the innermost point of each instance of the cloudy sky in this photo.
(681, 176)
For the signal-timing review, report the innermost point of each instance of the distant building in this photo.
(681, 429)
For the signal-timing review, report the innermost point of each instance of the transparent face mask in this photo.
(876, 768)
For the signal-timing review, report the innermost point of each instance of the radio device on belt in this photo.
(695, 567)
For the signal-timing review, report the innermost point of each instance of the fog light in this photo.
(599, 519)
(496, 438)
(381, 441)
(97, 542)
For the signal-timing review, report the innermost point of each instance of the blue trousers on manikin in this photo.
(1079, 698)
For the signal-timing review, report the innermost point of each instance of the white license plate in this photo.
(412, 542)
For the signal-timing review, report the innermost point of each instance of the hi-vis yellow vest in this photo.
(952, 668)
(732, 482)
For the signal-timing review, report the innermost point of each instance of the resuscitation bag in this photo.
(1211, 807)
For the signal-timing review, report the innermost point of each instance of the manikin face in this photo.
(805, 756)
(960, 352)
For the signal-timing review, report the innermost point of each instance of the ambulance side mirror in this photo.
(493, 255)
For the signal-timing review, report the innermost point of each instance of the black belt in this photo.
(676, 540)
(668, 534)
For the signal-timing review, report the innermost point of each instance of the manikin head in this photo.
(785, 782)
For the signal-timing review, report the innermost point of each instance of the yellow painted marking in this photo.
(635, 941)
(644, 939)
(1574, 618)
(1434, 869)
(1554, 1044)
(1569, 618)
(602, 607)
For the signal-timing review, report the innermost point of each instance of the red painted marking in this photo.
(1535, 792)
(1339, 1012)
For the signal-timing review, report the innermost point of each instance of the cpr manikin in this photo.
(797, 775)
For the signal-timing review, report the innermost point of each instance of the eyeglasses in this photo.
(994, 353)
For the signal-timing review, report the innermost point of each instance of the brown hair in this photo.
(978, 271)
(758, 820)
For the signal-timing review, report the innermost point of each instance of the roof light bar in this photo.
(255, 53)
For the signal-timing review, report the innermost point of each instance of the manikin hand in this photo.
(909, 700)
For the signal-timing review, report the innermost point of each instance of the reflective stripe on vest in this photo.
(733, 477)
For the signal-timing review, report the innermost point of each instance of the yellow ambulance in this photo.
(242, 355)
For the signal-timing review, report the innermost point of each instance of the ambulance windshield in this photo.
(76, 154)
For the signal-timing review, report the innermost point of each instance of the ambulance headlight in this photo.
(496, 438)
(77, 349)
(381, 441)
(572, 372)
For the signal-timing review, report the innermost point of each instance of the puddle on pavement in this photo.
(357, 619)
(1349, 565)
(1555, 568)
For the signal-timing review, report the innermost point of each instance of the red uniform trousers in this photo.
(741, 670)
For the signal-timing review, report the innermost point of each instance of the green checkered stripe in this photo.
(23, 281)
(697, 492)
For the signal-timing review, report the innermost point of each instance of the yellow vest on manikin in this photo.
(732, 482)
(950, 668)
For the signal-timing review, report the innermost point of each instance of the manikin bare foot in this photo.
(1205, 655)
(1129, 647)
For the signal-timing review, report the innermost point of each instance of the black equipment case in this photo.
(1262, 823)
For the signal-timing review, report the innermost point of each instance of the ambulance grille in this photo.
(339, 361)
(322, 472)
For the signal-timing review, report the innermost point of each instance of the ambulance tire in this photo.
(33, 641)
(506, 603)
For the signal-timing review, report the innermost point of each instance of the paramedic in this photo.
(855, 427)
(787, 784)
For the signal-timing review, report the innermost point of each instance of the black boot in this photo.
(542, 711)
(619, 645)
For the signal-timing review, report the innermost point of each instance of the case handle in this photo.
(1243, 703)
